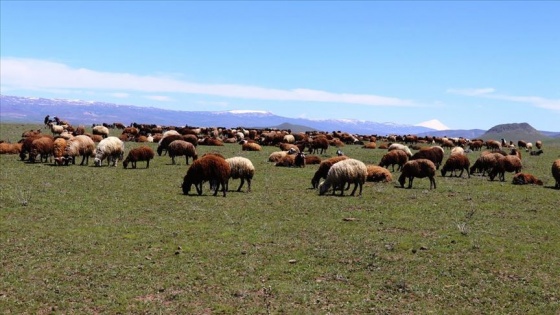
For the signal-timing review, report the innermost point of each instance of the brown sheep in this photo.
(42, 146)
(509, 163)
(484, 163)
(556, 173)
(369, 145)
(79, 146)
(208, 168)
(288, 146)
(538, 144)
(324, 168)
(378, 174)
(434, 154)
(59, 148)
(26, 144)
(211, 142)
(181, 148)
(419, 168)
(393, 157)
(319, 145)
(456, 162)
(312, 159)
(142, 153)
(525, 179)
(292, 160)
(476, 145)
(101, 131)
(165, 141)
(250, 146)
(10, 148)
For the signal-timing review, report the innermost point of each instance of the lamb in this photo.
(42, 146)
(556, 173)
(398, 146)
(456, 162)
(10, 148)
(324, 168)
(378, 174)
(525, 179)
(393, 157)
(81, 145)
(418, 168)
(59, 148)
(250, 146)
(434, 154)
(111, 148)
(348, 171)
(101, 131)
(210, 168)
(242, 168)
(142, 153)
(508, 163)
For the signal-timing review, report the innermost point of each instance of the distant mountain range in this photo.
(34, 110)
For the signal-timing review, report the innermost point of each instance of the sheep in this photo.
(111, 148)
(456, 162)
(348, 171)
(418, 168)
(41, 146)
(10, 148)
(241, 167)
(434, 154)
(312, 159)
(457, 150)
(56, 129)
(277, 156)
(288, 146)
(101, 131)
(59, 148)
(516, 153)
(393, 157)
(484, 163)
(142, 153)
(377, 173)
(291, 160)
(398, 146)
(208, 168)
(180, 148)
(556, 173)
(493, 145)
(509, 163)
(324, 168)
(525, 179)
(79, 145)
(529, 147)
(319, 145)
(538, 144)
(26, 144)
(251, 146)
(536, 153)
(163, 144)
(369, 145)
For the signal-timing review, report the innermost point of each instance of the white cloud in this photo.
(33, 74)
(120, 95)
(537, 101)
(160, 98)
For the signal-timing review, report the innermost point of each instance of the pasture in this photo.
(87, 240)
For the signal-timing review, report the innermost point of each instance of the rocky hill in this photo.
(514, 132)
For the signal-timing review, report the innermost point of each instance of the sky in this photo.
(466, 64)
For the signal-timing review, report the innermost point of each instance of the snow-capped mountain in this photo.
(27, 109)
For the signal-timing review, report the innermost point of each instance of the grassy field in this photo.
(86, 240)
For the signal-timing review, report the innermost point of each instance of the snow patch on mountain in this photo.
(433, 124)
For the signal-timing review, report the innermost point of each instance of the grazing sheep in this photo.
(348, 171)
(393, 157)
(476, 145)
(378, 174)
(312, 159)
(508, 163)
(457, 150)
(536, 153)
(516, 153)
(538, 144)
(529, 147)
(59, 149)
(250, 146)
(324, 168)
(484, 163)
(242, 168)
(398, 146)
(142, 153)
(434, 154)
(101, 131)
(525, 179)
(10, 148)
(210, 168)
(181, 148)
(163, 144)
(41, 146)
(110, 148)
(26, 144)
(319, 145)
(456, 162)
(418, 168)
(556, 173)
(81, 145)
(493, 145)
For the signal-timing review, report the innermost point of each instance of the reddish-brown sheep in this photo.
(369, 145)
(419, 168)
(434, 154)
(208, 168)
(525, 179)
(250, 146)
(10, 148)
(456, 162)
(42, 146)
(324, 168)
(165, 141)
(181, 148)
(319, 145)
(556, 173)
(378, 174)
(312, 159)
(143, 153)
(509, 163)
(398, 157)
(59, 148)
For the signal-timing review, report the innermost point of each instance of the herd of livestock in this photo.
(295, 150)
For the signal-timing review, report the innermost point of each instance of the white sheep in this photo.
(349, 171)
(79, 145)
(241, 168)
(111, 148)
(398, 146)
(101, 130)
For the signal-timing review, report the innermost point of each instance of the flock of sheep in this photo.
(338, 173)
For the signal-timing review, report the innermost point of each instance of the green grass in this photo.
(83, 240)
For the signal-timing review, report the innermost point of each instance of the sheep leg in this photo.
(410, 182)
(432, 181)
(147, 163)
(248, 185)
(198, 188)
(241, 184)
(354, 190)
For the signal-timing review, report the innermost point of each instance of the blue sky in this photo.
(468, 64)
